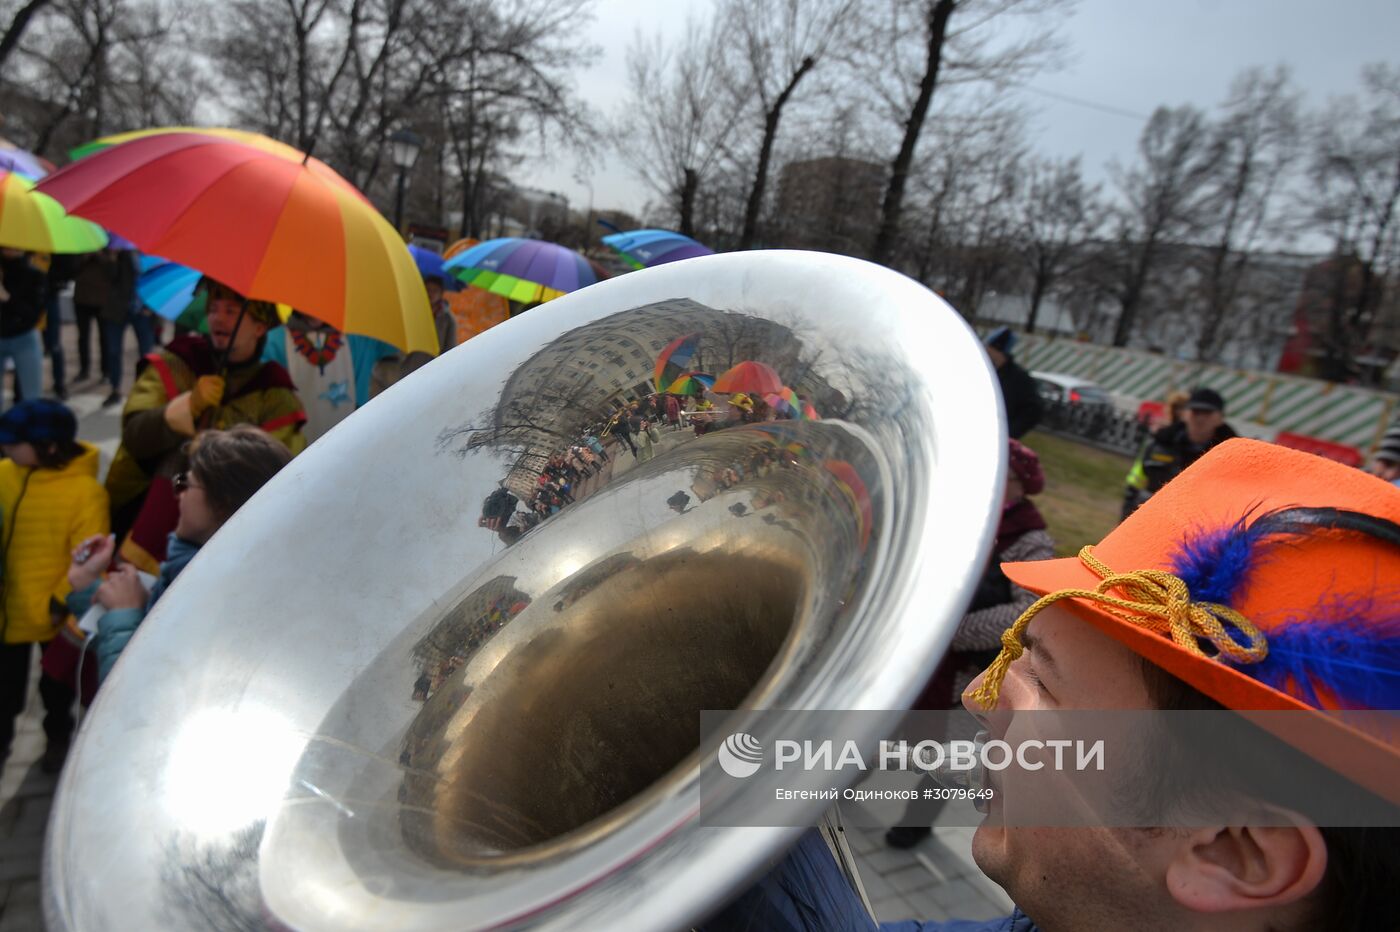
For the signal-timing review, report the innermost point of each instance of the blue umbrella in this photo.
(166, 287)
(430, 266)
(645, 248)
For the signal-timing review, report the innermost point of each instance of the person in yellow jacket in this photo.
(195, 383)
(50, 501)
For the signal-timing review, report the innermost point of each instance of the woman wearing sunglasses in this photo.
(225, 468)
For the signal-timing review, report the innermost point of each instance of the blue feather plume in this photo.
(1347, 646)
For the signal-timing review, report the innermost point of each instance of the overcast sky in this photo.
(1125, 55)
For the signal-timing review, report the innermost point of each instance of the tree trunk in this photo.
(1132, 295)
(1038, 289)
(765, 153)
(18, 24)
(688, 189)
(938, 15)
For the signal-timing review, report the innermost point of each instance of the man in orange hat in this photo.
(1261, 578)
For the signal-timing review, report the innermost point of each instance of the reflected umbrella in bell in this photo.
(691, 383)
(751, 378)
(673, 360)
(642, 249)
(526, 270)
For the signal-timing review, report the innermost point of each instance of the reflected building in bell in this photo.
(577, 382)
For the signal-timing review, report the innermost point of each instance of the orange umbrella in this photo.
(753, 378)
(270, 222)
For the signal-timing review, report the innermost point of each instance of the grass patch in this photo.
(1083, 490)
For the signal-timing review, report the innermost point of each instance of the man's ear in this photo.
(1247, 867)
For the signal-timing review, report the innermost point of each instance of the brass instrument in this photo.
(366, 706)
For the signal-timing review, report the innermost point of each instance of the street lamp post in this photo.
(404, 146)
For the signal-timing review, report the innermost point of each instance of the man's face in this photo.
(223, 318)
(998, 357)
(434, 291)
(1071, 877)
(1202, 424)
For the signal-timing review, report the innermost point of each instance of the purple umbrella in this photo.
(22, 163)
(645, 248)
(526, 270)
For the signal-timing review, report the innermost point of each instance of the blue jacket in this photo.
(806, 892)
(117, 626)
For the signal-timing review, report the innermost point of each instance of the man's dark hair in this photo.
(1361, 888)
(233, 464)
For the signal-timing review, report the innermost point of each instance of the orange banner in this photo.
(476, 310)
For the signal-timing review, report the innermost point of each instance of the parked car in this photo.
(1061, 388)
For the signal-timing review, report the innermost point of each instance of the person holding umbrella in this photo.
(194, 383)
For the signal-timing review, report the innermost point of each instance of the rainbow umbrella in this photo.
(269, 222)
(256, 140)
(525, 270)
(674, 358)
(642, 249)
(750, 377)
(35, 222)
(691, 383)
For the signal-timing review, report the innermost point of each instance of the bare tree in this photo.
(678, 111)
(920, 45)
(1162, 198)
(1255, 147)
(781, 42)
(1059, 214)
(19, 22)
(87, 67)
(1356, 174)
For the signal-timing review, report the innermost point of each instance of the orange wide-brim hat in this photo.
(1338, 589)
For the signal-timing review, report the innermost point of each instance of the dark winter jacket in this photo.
(1171, 451)
(1022, 400)
(25, 284)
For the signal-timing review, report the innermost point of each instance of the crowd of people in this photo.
(211, 415)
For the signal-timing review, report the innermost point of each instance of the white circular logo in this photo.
(741, 755)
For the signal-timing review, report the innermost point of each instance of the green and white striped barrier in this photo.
(1259, 404)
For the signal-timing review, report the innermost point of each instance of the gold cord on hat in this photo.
(1153, 599)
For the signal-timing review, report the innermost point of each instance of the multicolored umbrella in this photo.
(525, 270)
(644, 248)
(166, 287)
(691, 383)
(23, 163)
(256, 140)
(35, 222)
(264, 219)
(674, 359)
(754, 378)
